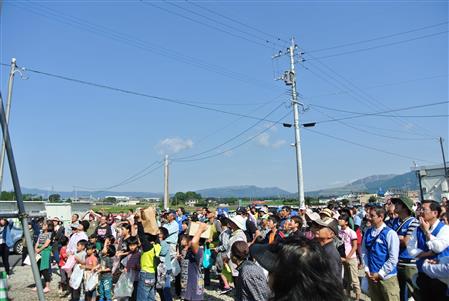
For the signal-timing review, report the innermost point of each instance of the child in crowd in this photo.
(93, 239)
(133, 263)
(63, 284)
(90, 264)
(105, 270)
(222, 250)
(164, 269)
(80, 258)
(43, 248)
(192, 283)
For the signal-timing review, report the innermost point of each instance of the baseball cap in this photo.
(328, 222)
(241, 210)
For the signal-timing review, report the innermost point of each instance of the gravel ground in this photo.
(21, 283)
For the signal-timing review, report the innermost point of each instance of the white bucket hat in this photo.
(239, 220)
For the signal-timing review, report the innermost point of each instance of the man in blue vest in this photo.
(429, 241)
(380, 251)
(404, 227)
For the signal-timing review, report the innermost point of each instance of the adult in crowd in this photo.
(58, 234)
(43, 250)
(405, 228)
(173, 231)
(284, 216)
(74, 219)
(78, 233)
(212, 242)
(92, 217)
(237, 224)
(298, 270)
(326, 230)
(380, 251)
(251, 283)
(251, 232)
(180, 217)
(429, 241)
(273, 236)
(350, 262)
(5, 243)
(438, 269)
(103, 230)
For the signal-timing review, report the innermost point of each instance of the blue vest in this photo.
(421, 237)
(377, 248)
(393, 223)
(401, 230)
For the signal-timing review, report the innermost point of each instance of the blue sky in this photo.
(66, 134)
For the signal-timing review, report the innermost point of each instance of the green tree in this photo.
(191, 195)
(7, 196)
(345, 202)
(372, 199)
(179, 198)
(110, 200)
(54, 198)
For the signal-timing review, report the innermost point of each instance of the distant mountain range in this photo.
(371, 184)
(250, 191)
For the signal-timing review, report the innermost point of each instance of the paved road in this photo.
(14, 260)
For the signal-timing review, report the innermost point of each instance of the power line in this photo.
(219, 22)
(341, 92)
(237, 146)
(380, 46)
(203, 23)
(232, 138)
(127, 180)
(377, 38)
(237, 21)
(357, 93)
(357, 128)
(366, 146)
(124, 182)
(138, 43)
(153, 97)
(382, 113)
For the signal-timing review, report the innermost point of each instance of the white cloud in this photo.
(264, 140)
(173, 145)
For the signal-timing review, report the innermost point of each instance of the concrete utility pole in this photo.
(20, 206)
(8, 109)
(290, 79)
(444, 158)
(166, 194)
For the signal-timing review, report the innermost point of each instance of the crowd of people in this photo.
(253, 254)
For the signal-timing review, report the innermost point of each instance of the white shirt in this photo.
(76, 237)
(437, 244)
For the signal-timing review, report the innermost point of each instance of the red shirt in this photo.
(62, 256)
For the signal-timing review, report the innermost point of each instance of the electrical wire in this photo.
(382, 113)
(138, 43)
(127, 180)
(232, 138)
(95, 191)
(380, 46)
(367, 147)
(354, 91)
(219, 22)
(236, 21)
(202, 23)
(234, 147)
(152, 97)
(377, 38)
(357, 128)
